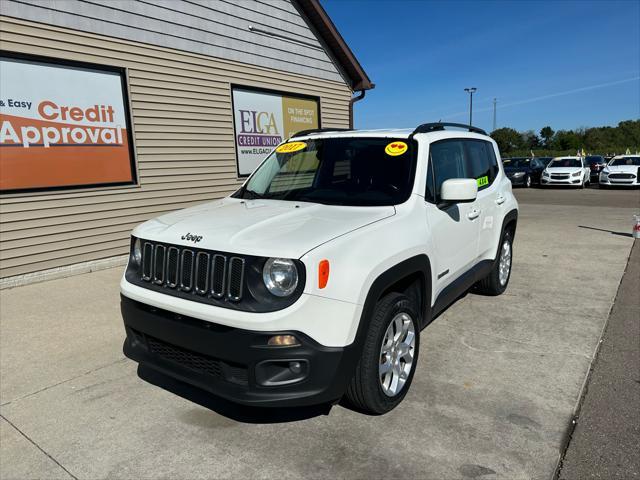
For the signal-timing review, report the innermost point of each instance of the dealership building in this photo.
(116, 111)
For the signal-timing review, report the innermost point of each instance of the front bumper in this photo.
(569, 182)
(620, 182)
(330, 322)
(517, 180)
(234, 363)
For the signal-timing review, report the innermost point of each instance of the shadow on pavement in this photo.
(239, 413)
(608, 231)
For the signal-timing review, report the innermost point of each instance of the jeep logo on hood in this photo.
(192, 238)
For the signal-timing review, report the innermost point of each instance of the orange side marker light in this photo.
(323, 273)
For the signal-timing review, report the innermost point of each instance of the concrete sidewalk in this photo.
(497, 384)
(606, 441)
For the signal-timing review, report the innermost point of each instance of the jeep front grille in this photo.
(194, 271)
(218, 275)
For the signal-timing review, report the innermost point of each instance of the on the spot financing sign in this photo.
(61, 126)
(262, 120)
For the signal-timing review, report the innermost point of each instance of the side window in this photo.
(493, 161)
(446, 160)
(481, 162)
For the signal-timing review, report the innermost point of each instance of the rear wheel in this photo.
(389, 357)
(496, 282)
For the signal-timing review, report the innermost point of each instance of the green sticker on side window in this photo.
(482, 181)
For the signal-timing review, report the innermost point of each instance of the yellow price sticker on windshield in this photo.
(396, 148)
(482, 181)
(291, 147)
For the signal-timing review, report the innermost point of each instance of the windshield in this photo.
(633, 161)
(594, 160)
(517, 162)
(565, 163)
(336, 171)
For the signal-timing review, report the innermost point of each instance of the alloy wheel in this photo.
(504, 267)
(396, 354)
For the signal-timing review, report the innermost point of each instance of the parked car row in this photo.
(621, 170)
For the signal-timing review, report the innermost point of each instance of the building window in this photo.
(262, 119)
(63, 125)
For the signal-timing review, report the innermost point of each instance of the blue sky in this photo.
(567, 64)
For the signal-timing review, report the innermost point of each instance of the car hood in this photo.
(623, 169)
(564, 169)
(269, 228)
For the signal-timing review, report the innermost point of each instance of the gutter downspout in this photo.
(351, 102)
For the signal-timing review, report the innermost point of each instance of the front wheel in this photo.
(389, 357)
(496, 282)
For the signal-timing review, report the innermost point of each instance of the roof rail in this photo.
(302, 133)
(434, 127)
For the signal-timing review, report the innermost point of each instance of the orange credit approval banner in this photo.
(62, 126)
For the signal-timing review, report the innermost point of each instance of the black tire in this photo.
(527, 181)
(365, 392)
(491, 285)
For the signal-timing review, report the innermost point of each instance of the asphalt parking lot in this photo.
(498, 381)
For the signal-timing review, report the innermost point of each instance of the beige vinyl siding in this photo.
(183, 137)
(214, 28)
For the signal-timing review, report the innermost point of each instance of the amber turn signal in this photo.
(282, 341)
(323, 273)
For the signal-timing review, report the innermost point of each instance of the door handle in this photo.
(500, 200)
(473, 214)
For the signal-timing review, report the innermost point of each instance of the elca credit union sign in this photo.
(263, 119)
(62, 126)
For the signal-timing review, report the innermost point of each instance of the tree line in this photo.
(547, 142)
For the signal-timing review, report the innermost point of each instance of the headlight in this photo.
(280, 276)
(604, 172)
(136, 253)
(545, 174)
(576, 174)
(518, 174)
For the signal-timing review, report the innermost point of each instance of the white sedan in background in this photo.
(623, 170)
(569, 171)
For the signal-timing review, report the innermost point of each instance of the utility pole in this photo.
(471, 91)
(494, 114)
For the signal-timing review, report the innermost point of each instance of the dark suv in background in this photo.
(523, 171)
(544, 160)
(595, 163)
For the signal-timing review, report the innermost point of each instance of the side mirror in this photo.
(459, 190)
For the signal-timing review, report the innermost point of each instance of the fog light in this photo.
(283, 341)
(273, 373)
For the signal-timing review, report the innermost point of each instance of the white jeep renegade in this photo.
(313, 281)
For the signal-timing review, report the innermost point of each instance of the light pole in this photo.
(471, 91)
(495, 100)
